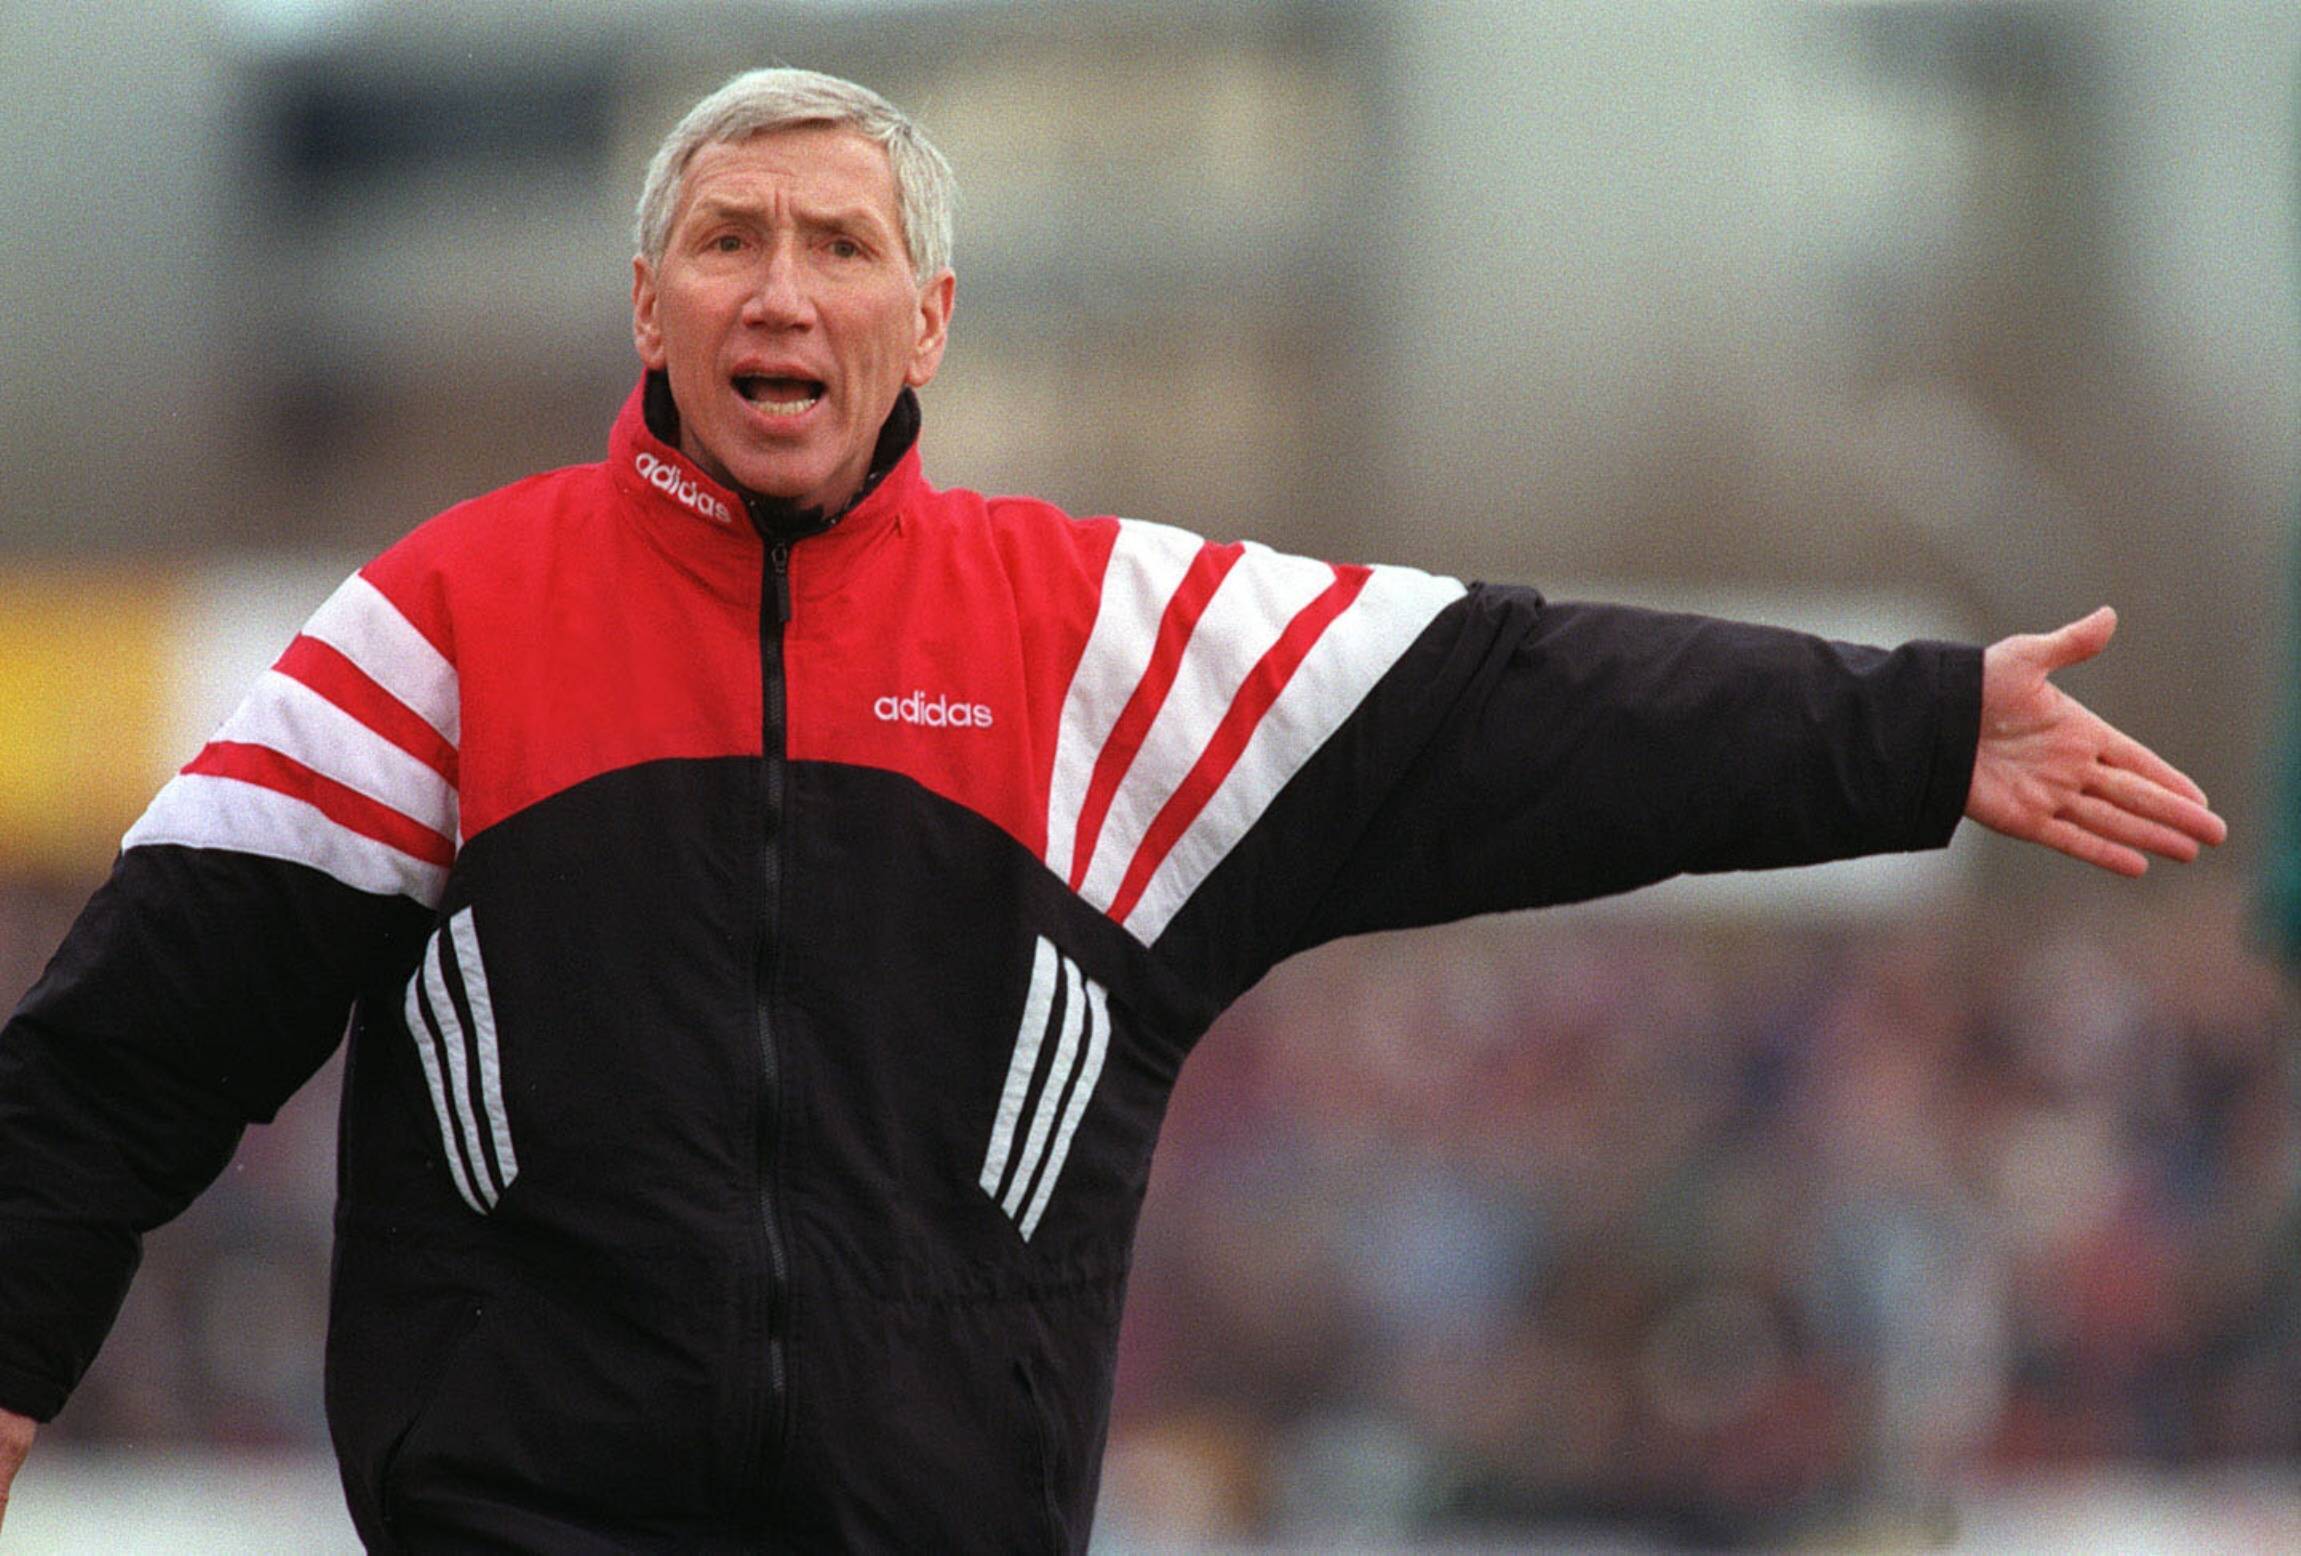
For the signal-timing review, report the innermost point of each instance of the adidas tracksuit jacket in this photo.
(768, 963)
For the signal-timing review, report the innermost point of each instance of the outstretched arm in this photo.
(2049, 770)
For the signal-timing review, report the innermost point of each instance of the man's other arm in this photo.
(290, 869)
(1575, 750)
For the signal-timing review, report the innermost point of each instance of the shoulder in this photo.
(1101, 548)
(1015, 520)
(495, 534)
(508, 515)
(1042, 552)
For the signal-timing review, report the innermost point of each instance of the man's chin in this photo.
(778, 483)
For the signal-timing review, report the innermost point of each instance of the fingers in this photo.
(2122, 750)
(2152, 801)
(2122, 817)
(2106, 820)
(2075, 841)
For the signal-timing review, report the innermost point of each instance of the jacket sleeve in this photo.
(1491, 750)
(288, 869)
(1576, 750)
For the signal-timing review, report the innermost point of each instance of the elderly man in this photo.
(774, 896)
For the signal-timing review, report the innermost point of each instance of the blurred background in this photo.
(1955, 1200)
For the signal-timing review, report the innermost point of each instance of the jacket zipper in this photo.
(774, 1414)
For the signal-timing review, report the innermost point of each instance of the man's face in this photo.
(784, 311)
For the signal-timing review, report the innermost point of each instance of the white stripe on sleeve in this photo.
(1147, 562)
(360, 622)
(200, 810)
(1256, 600)
(284, 714)
(1356, 651)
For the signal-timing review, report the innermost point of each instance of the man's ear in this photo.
(935, 302)
(646, 330)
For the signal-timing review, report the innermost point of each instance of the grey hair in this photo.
(777, 99)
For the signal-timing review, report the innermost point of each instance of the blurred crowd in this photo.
(1711, 1231)
(1721, 1233)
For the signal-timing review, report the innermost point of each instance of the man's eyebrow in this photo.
(710, 208)
(846, 218)
(720, 207)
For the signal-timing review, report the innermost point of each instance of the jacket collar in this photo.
(644, 460)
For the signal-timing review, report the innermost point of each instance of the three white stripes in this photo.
(282, 714)
(1075, 1009)
(473, 1126)
(1250, 611)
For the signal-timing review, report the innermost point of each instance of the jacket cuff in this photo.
(1957, 734)
(30, 1395)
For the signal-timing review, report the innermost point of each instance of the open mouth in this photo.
(779, 396)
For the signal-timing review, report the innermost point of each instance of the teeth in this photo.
(755, 390)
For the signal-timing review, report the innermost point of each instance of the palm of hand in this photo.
(2049, 770)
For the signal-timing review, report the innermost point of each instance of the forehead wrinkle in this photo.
(757, 206)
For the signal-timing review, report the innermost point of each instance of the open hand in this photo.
(15, 1442)
(2049, 770)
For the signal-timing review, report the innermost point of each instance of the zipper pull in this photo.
(779, 555)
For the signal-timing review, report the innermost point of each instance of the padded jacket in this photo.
(767, 961)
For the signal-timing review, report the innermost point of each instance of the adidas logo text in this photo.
(934, 712)
(665, 477)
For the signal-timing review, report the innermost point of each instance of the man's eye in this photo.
(846, 248)
(727, 243)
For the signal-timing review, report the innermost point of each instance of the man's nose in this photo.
(779, 295)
